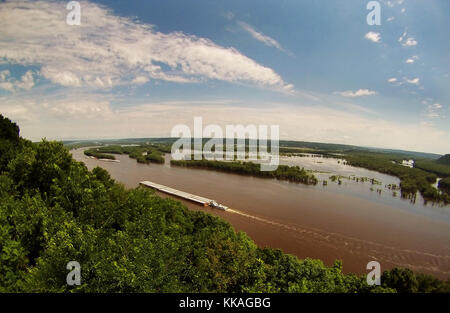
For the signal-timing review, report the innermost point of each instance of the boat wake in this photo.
(413, 259)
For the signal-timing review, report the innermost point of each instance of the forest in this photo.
(411, 179)
(427, 167)
(445, 159)
(433, 166)
(283, 172)
(445, 184)
(53, 210)
(145, 153)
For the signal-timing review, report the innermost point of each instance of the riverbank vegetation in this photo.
(427, 167)
(54, 210)
(283, 172)
(444, 184)
(433, 166)
(411, 179)
(98, 155)
(362, 179)
(445, 159)
(420, 178)
(147, 153)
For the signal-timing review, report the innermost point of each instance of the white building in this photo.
(408, 163)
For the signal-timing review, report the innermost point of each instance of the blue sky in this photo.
(316, 68)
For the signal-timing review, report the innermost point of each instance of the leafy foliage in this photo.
(9, 141)
(433, 166)
(283, 172)
(445, 184)
(411, 179)
(143, 153)
(53, 210)
(93, 152)
(445, 159)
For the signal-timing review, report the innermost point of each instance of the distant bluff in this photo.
(444, 159)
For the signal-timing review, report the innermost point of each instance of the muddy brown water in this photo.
(307, 221)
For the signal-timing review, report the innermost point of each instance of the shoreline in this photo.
(306, 242)
(306, 222)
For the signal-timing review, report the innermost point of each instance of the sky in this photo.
(315, 68)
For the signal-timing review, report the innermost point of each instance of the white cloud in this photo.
(392, 80)
(433, 110)
(4, 75)
(393, 3)
(413, 81)
(289, 88)
(358, 93)
(351, 107)
(27, 80)
(410, 42)
(11, 84)
(140, 80)
(404, 81)
(63, 107)
(268, 41)
(412, 59)
(97, 119)
(7, 86)
(373, 36)
(403, 10)
(432, 115)
(64, 78)
(407, 41)
(80, 108)
(108, 50)
(390, 19)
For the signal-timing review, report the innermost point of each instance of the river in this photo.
(347, 222)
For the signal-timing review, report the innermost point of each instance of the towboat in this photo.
(216, 205)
